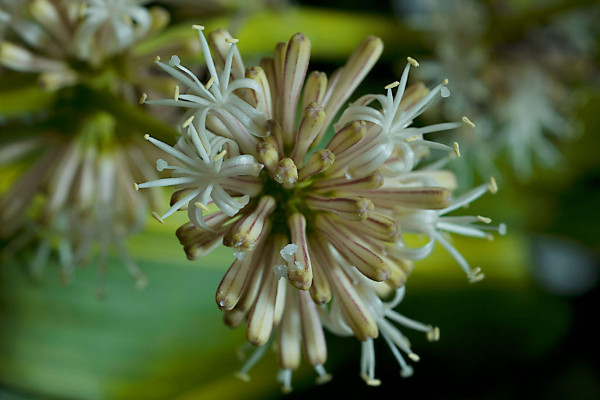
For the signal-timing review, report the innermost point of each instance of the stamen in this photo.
(468, 122)
(156, 59)
(485, 220)
(493, 187)
(220, 155)
(176, 94)
(414, 357)
(392, 85)
(433, 335)
(147, 136)
(232, 40)
(210, 82)
(457, 149)
(201, 206)
(136, 187)
(143, 98)
(198, 27)
(187, 122)
(157, 217)
(412, 61)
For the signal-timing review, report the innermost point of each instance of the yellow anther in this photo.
(176, 94)
(220, 155)
(433, 334)
(210, 82)
(456, 149)
(157, 217)
(493, 187)
(468, 122)
(411, 139)
(445, 81)
(198, 27)
(143, 98)
(157, 59)
(243, 376)
(147, 137)
(414, 357)
(232, 40)
(412, 61)
(475, 275)
(187, 122)
(136, 187)
(201, 206)
(485, 220)
(392, 85)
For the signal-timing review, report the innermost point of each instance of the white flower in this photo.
(207, 172)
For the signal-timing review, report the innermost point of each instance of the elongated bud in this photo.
(381, 227)
(236, 315)
(347, 137)
(267, 155)
(262, 97)
(313, 338)
(345, 185)
(432, 198)
(275, 137)
(299, 266)
(318, 162)
(412, 95)
(399, 271)
(311, 123)
(288, 341)
(286, 173)
(295, 65)
(230, 288)
(320, 291)
(220, 50)
(351, 208)
(351, 75)
(314, 88)
(352, 249)
(245, 234)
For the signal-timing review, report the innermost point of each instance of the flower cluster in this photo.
(315, 216)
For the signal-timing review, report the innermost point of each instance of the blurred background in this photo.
(526, 72)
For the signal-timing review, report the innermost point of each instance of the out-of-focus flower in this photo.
(522, 121)
(310, 218)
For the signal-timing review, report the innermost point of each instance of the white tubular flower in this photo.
(396, 115)
(434, 223)
(217, 96)
(207, 172)
(109, 26)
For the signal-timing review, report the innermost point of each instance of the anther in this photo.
(198, 27)
(493, 187)
(412, 61)
(485, 220)
(201, 206)
(475, 275)
(456, 149)
(136, 187)
(241, 375)
(157, 59)
(445, 81)
(187, 122)
(232, 40)
(411, 139)
(147, 136)
(414, 357)
(468, 122)
(157, 217)
(392, 85)
(210, 82)
(143, 98)
(433, 334)
(176, 94)
(373, 382)
(220, 155)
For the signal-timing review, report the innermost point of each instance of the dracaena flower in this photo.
(318, 221)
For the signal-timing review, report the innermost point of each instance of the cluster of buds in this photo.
(315, 216)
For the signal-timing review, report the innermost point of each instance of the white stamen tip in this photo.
(392, 85)
(288, 251)
(468, 122)
(493, 187)
(485, 220)
(201, 206)
(444, 92)
(174, 61)
(157, 217)
(187, 122)
(210, 82)
(198, 27)
(456, 149)
(502, 229)
(412, 61)
(232, 40)
(143, 98)
(161, 164)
